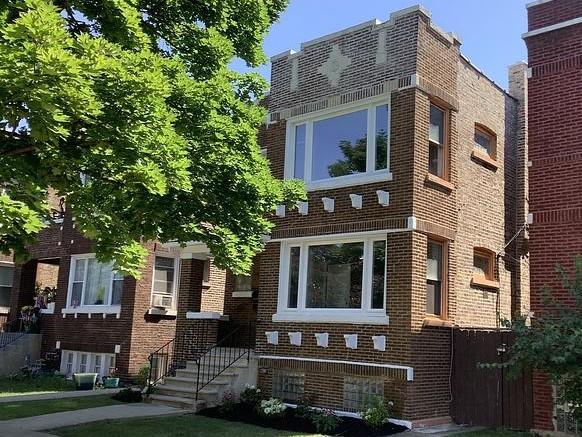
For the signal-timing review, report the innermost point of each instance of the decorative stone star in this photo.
(334, 66)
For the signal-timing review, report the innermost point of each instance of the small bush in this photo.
(128, 395)
(228, 403)
(303, 409)
(143, 376)
(251, 396)
(376, 412)
(325, 420)
(272, 408)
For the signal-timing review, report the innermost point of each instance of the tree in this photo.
(128, 109)
(553, 343)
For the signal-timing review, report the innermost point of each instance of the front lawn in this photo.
(18, 409)
(29, 386)
(495, 433)
(188, 425)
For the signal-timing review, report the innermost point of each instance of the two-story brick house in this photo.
(414, 163)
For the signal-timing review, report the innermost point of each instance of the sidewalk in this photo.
(59, 395)
(28, 425)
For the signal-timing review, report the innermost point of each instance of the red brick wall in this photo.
(553, 12)
(555, 150)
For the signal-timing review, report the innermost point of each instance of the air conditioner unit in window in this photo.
(162, 301)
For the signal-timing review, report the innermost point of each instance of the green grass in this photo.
(495, 433)
(188, 425)
(18, 409)
(29, 386)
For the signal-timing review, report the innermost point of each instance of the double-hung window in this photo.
(437, 142)
(164, 283)
(6, 274)
(340, 149)
(436, 279)
(333, 280)
(92, 283)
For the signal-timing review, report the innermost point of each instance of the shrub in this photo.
(228, 402)
(143, 376)
(303, 409)
(272, 408)
(128, 395)
(376, 412)
(325, 420)
(251, 396)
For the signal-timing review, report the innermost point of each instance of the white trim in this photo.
(162, 312)
(242, 293)
(207, 315)
(537, 3)
(93, 309)
(371, 175)
(4, 310)
(553, 27)
(301, 313)
(409, 370)
(342, 236)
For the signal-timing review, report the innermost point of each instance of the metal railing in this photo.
(232, 347)
(11, 331)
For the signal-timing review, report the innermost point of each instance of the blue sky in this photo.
(489, 29)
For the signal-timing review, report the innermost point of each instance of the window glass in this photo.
(339, 145)
(69, 365)
(288, 386)
(378, 274)
(334, 275)
(83, 364)
(116, 289)
(164, 275)
(242, 283)
(293, 277)
(434, 278)
(436, 143)
(382, 116)
(97, 366)
(299, 169)
(98, 283)
(358, 392)
(6, 273)
(482, 265)
(437, 122)
(483, 141)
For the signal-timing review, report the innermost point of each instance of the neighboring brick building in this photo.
(415, 167)
(436, 213)
(554, 42)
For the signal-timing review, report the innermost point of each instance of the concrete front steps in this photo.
(180, 390)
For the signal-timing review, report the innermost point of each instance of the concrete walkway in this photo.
(439, 430)
(59, 395)
(29, 426)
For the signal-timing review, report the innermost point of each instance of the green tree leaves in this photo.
(136, 96)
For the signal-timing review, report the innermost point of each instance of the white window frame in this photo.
(6, 309)
(82, 308)
(365, 314)
(90, 365)
(371, 175)
(174, 283)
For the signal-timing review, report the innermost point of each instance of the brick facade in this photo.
(555, 152)
(419, 64)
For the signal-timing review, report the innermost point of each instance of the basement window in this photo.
(358, 392)
(82, 362)
(288, 386)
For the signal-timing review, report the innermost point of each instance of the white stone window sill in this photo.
(162, 312)
(352, 317)
(242, 294)
(205, 315)
(349, 180)
(4, 310)
(93, 309)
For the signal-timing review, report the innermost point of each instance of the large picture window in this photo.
(93, 283)
(342, 149)
(333, 280)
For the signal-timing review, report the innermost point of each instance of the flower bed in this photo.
(289, 420)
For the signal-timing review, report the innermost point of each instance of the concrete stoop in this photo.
(180, 390)
(13, 356)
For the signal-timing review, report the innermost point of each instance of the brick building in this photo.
(554, 43)
(415, 167)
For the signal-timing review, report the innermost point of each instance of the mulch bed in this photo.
(349, 426)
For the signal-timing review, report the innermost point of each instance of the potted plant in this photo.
(111, 380)
(100, 296)
(29, 317)
(45, 298)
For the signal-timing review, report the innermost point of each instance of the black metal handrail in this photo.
(11, 331)
(226, 352)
